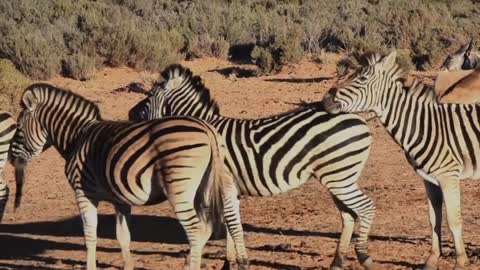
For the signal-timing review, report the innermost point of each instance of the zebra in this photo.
(441, 141)
(7, 129)
(276, 154)
(178, 159)
(463, 59)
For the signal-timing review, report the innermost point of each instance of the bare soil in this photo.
(295, 230)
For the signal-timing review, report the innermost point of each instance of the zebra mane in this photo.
(42, 92)
(177, 76)
(418, 89)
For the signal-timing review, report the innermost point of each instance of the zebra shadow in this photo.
(20, 252)
(143, 228)
(237, 72)
(300, 80)
(333, 235)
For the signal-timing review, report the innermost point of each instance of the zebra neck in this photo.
(407, 115)
(65, 131)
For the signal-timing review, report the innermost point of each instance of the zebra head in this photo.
(463, 59)
(154, 106)
(363, 91)
(31, 138)
(29, 141)
(180, 94)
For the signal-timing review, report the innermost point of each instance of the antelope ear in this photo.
(29, 100)
(470, 46)
(389, 60)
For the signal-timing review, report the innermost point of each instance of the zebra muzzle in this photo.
(329, 104)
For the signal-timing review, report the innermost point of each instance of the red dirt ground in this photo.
(295, 230)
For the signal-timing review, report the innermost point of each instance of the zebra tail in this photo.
(209, 198)
(19, 165)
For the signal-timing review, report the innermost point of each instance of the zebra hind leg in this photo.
(197, 232)
(123, 235)
(236, 250)
(348, 226)
(361, 206)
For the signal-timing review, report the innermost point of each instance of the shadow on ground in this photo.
(146, 228)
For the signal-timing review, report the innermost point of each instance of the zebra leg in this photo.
(435, 201)
(123, 235)
(231, 253)
(452, 199)
(88, 212)
(236, 250)
(4, 191)
(345, 237)
(363, 208)
(197, 232)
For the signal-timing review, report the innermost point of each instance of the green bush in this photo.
(79, 67)
(264, 60)
(43, 38)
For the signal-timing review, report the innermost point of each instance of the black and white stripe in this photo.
(178, 159)
(7, 129)
(276, 154)
(441, 141)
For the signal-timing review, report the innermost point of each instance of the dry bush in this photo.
(79, 66)
(38, 36)
(12, 85)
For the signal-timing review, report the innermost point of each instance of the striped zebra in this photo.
(463, 59)
(276, 154)
(7, 129)
(441, 141)
(131, 164)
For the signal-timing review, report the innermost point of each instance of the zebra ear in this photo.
(389, 60)
(29, 100)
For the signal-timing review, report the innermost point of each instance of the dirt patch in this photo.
(295, 230)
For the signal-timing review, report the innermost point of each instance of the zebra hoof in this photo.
(368, 264)
(429, 267)
(243, 264)
(227, 265)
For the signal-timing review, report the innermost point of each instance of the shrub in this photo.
(264, 60)
(79, 67)
(12, 85)
(42, 37)
(155, 51)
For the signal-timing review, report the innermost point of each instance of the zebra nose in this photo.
(332, 91)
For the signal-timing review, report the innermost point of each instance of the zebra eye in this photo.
(362, 78)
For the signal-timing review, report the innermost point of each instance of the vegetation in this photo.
(74, 38)
(12, 84)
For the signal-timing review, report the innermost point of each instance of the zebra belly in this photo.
(252, 183)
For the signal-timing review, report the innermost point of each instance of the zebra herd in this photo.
(177, 147)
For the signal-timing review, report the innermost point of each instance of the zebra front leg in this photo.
(435, 201)
(348, 226)
(4, 191)
(452, 198)
(88, 212)
(123, 234)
